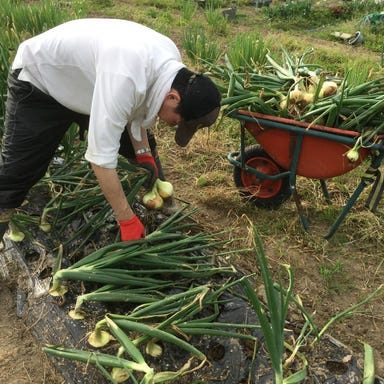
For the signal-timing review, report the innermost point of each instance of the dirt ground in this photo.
(21, 359)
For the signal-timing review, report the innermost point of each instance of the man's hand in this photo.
(147, 162)
(131, 229)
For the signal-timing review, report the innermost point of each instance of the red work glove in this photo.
(131, 229)
(147, 162)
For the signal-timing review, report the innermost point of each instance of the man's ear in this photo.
(173, 95)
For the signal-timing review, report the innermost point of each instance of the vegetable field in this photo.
(267, 59)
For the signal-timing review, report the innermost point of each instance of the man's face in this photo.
(168, 112)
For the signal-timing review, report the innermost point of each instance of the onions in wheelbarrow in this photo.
(353, 153)
(328, 88)
(297, 97)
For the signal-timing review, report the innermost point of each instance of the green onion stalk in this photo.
(164, 251)
(109, 270)
(272, 319)
(99, 359)
(177, 312)
(369, 365)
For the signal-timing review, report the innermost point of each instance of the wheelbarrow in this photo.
(266, 172)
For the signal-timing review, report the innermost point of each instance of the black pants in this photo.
(35, 124)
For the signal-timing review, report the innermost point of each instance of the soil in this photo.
(21, 358)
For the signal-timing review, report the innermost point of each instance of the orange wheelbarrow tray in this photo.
(266, 173)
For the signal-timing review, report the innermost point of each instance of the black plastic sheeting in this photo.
(231, 360)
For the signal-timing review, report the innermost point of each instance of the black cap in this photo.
(199, 106)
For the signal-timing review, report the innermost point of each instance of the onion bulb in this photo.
(328, 88)
(77, 314)
(153, 349)
(295, 96)
(308, 98)
(99, 338)
(15, 233)
(58, 290)
(353, 155)
(164, 188)
(152, 199)
(120, 374)
(44, 225)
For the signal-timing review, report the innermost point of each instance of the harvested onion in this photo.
(353, 155)
(328, 88)
(164, 188)
(152, 199)
(15, 234)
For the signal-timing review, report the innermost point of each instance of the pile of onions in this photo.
(301, 95)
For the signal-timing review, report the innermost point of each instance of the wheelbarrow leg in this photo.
(376, 193)
(297, 142)
(325, 191)
(367, 179)
(299, 207)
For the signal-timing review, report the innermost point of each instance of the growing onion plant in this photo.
(272, 317)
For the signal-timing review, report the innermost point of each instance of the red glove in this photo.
(147, 161)
(131, 229)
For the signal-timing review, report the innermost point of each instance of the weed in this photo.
(330, 271)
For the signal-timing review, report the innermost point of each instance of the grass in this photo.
(331, 272)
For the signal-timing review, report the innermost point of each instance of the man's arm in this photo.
(141, 146)
(113, 191)
(144, 157)
(131, 228)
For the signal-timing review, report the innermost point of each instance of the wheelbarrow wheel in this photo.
(265, 193)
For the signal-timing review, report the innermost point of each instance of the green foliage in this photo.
(289, 10)
(188, 9)
(331, 272)
(8, 43)
(101, 4)
(363, 7)
(152, 13)
(160, 4)
(216, 21)
(162, 22)
(197, 45)
(306, 15)
(247, 50)
(215, 3)
(272, 320)
(32, 18)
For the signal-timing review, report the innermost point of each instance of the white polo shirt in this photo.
(116, 71)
